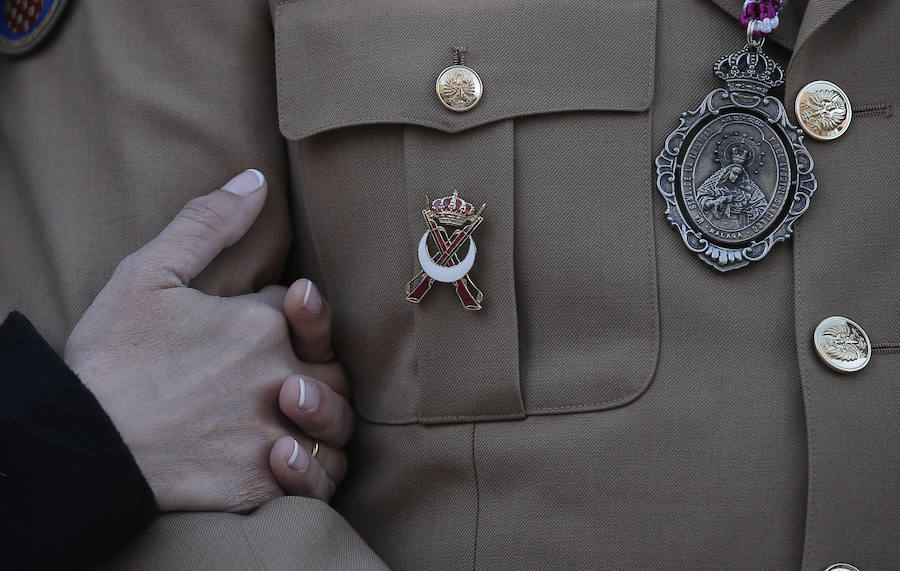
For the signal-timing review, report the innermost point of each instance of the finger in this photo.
(204, 227)
(310, 318)
(332, 460)
(297, 472)
(332, 374)
(317, 410)
(271, 295)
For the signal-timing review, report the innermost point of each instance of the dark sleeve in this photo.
(70, 491)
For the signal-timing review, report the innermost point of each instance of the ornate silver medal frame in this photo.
(735, 174)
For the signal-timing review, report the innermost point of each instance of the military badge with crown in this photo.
(451, 222)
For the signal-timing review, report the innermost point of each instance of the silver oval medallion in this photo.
(735, 173)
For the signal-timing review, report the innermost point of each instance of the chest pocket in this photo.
(559, 150)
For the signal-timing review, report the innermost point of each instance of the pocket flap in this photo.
(344, 63)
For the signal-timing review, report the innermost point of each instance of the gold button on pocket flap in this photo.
(459, 87)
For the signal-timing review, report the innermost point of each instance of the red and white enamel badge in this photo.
(451, 222)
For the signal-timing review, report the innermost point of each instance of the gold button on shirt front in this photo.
(842, 344)
(823, 110)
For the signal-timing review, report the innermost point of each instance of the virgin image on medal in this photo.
(735, 179)
(735, 174)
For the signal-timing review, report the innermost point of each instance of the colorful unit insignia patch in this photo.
(24, 23)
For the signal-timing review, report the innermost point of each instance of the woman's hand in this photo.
(208, 392)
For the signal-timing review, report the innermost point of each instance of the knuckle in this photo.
(204, 212)
(148, 261)
(128, 269)
(270, 433)
(252, 494)
(132, 274)
(266, 322)
(275, 291)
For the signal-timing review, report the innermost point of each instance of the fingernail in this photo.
(312, 301)
(245, 183)
(309, 396)
(299, 459)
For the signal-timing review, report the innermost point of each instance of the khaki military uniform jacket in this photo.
(617, 403)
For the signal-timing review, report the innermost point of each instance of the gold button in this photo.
(842, 567)
(459, 88)
(842, 344)
(823, 110)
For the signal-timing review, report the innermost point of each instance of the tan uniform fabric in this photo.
(617, 403)
(299, 533)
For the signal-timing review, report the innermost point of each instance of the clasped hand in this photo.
(220, 400)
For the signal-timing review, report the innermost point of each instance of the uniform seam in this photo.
(471, 418)
(252, 547)
(811, 508)
(542, 411)
(651, 83)
(803, 363)
(477, 501)
(594, 407)
(279, 83)
(417, 316)
(292, 133)
(314, 242)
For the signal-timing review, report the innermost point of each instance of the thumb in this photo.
(204, 227)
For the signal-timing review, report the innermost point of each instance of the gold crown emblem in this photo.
(453, 210)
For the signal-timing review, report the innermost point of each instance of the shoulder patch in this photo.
(24, 23)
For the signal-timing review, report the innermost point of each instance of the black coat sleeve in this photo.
(70, 491)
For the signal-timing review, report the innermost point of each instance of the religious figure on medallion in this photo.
(735, 174)
(730, 195)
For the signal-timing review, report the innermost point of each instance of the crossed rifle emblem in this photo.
(445, 265)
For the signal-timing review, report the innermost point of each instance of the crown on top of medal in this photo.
(453, 210)
(750, 70)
